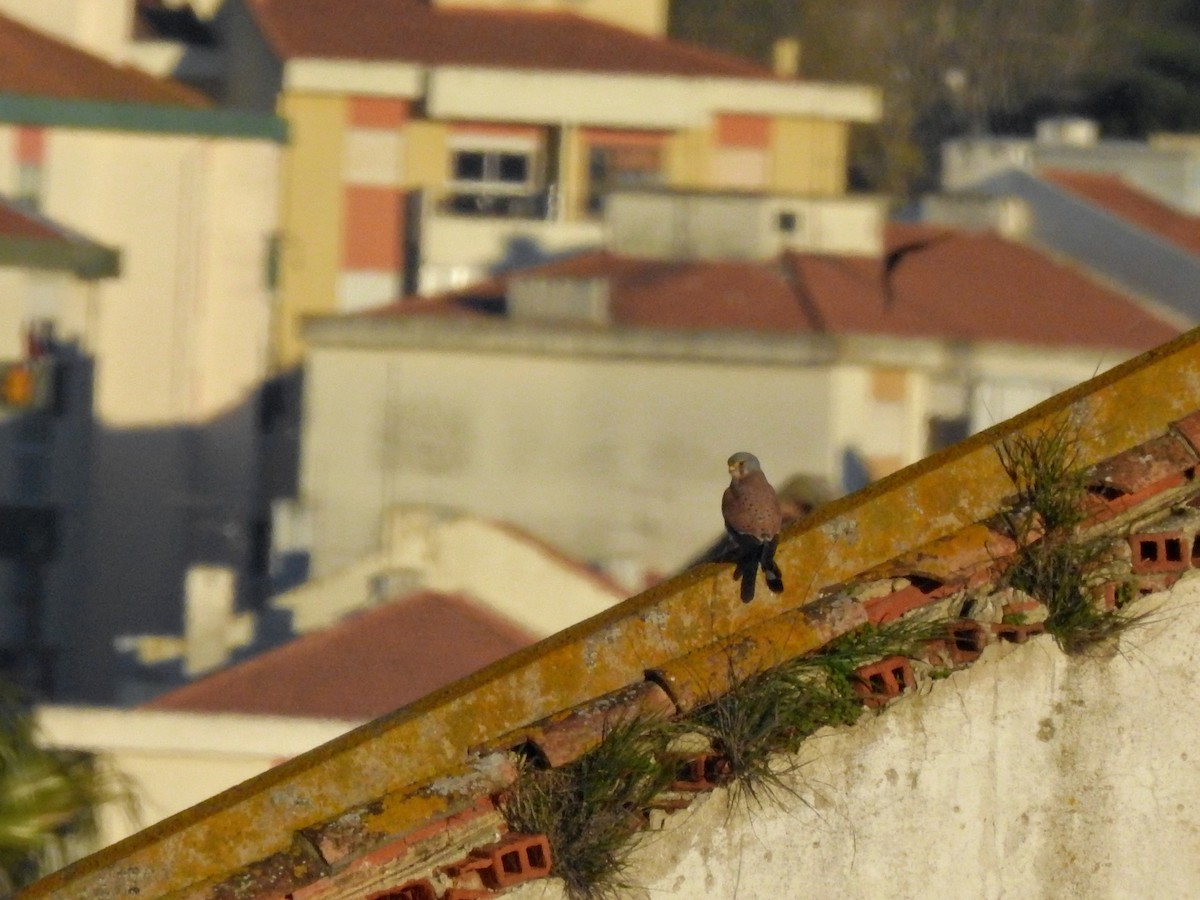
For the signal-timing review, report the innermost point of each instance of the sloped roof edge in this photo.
(255, 822)
(29, 240)
(83, 259)
(145, 117)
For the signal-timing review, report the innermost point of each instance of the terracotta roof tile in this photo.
(955, 284)
(1114, 194)
(377, 804)
(35, 64)
(976, 286)
(17, 223)
(413, 31)
(366, 665)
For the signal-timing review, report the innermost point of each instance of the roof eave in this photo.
(83, 259)
(157, 118)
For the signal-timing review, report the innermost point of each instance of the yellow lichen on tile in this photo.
(689, 615)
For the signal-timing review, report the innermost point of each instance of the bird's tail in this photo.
(770, 569)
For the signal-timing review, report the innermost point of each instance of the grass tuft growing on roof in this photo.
(1056, 564)
(591, 809)
(770, 714)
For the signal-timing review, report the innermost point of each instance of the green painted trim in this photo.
(152, 117)
(86, 260)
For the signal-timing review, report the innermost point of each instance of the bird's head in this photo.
(742, 464)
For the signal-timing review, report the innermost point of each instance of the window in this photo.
(497, 170)
(621, 166)
(498, 181)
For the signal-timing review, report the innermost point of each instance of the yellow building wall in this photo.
(425, 160)
(805, 156)
(808, 156)
(689, 159)
(311, 216)
(573, 168)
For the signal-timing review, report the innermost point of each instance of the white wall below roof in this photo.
(1030, 774)
(359, 77)
(648, 16)
(968, 161)
(610, 459)
(657, 224)
(174, 760)
(182, 332)
(456, 250)
(616, 458)
(422, 548)
(635, 101)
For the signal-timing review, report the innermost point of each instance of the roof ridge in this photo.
(437, 757)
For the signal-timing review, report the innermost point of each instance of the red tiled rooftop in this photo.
(976, 286)
(16, 223)
(959, 285)
(1114, 194)
(35, 64)
(413, 31)
(368, 664)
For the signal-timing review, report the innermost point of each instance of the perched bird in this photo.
(753, 519)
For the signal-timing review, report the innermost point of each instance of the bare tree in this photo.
(945, 66)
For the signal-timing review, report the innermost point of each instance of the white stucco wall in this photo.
(1029, 775)
(610, 459)
(618, 458)
(173, 760)
(182, 333)
(422, 548)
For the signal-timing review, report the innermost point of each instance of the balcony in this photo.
(538, 205)
(467, 235)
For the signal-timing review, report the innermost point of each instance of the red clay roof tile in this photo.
(976, 286)
(368, 664)
(16, 223)
(413, 31)
(35, 64)
(957, 285)
(1114, 194)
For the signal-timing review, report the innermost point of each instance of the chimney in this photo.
(785, 56)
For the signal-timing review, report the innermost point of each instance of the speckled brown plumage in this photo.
(753, 519)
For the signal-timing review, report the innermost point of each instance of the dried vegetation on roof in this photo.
(707, 702)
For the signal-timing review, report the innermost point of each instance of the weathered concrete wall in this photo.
(1030, 774)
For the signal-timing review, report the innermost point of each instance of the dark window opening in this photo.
(513, 168)
(469, 166)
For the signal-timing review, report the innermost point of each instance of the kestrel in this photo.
(753, 519)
